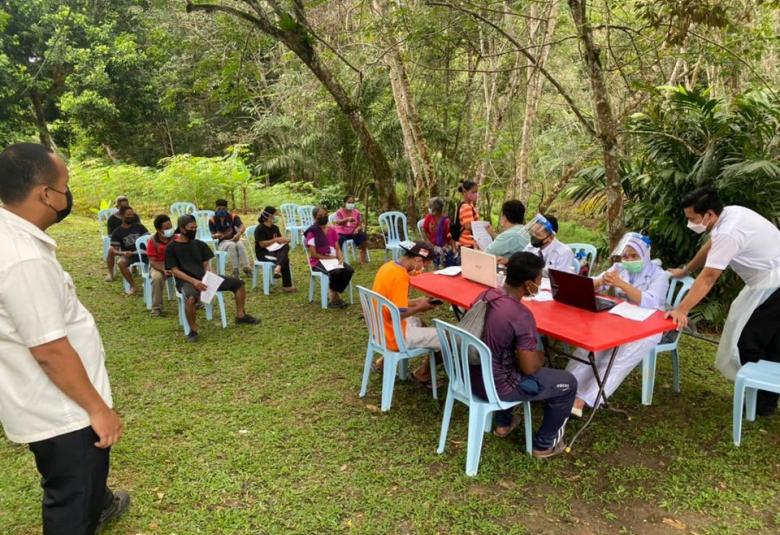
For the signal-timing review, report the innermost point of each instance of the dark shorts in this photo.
(230, 284)
(358, 238)
(129, 260)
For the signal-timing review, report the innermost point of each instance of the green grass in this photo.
(261, 430)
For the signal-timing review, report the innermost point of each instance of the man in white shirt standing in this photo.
(54, 389)
(556, 255)
(750, 245)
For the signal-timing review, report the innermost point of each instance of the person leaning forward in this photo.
(54, 388)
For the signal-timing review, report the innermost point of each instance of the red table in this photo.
(592, 331)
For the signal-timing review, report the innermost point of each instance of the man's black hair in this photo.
(523, 267)
(185, 220)
(267, 212)
(22, 167)
(703, 199)
(513, 211)
(221, 202)
(123, 210)
(159, 220)
(348, 196)
(553, 221)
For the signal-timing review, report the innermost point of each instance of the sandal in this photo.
(427, 383)
(512, 426)
(376, 368)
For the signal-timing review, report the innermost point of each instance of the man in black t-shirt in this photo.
(227, 229)
(112, 223)
(123, 243)
(188, 259)
(267, 234)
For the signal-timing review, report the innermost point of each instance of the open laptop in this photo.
(479, 267)
(577, 291)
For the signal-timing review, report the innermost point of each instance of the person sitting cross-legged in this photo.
(267, 234)
(188, 259)
(517, 367)
(155, 252)
(392, 282)
(227, 229)
(112, 223)
(322, 242)
(123, 243)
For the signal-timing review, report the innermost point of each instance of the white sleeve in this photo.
(33, 293)
(723, 249)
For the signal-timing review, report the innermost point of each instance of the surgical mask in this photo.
(536, 242)
(698, 228)
(221, 212)
(168, 233)
(190, 234)
(62, 214)
(322, 220)
(633, 266)
(350, 206)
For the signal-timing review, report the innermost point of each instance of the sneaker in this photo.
(156, 313)
(247, 319)
(130, 291)
(336, 304)
(118, 507)
(192, 337)
(550, 452)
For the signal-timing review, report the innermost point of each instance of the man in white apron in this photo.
(750, 245)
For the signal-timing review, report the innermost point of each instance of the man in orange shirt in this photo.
(392, 282)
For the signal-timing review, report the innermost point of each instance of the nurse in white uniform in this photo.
(641, 282)
(556, 255)
(750, 245)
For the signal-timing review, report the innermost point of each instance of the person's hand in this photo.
(168, 273)
(679, 317)
(424, 306)
(611, 278)
(107, 426)
(237, 237)
(677, 273)
(502, 260)
(201, 286)
(217, 235)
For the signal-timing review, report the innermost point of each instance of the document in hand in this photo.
(212, 281)
(480, 233)
(331, 263)
(632, 312)
(274, 247)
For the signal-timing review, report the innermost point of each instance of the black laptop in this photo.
(577, 291)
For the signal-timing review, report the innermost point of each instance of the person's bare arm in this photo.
(156, 264)
(529, 362)
(701, 287)
(179, 274)
(314, 254)
(62, 365)
(696, 263)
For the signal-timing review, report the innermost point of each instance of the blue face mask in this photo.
(222, 212)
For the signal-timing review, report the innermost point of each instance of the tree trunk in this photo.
(40, 121)
(533, 96)
(605, 122)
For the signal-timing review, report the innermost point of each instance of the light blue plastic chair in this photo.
(306, 215)
(752, 377)
(209, 311)
(678, 289)
(324, 281)
(138, 266)
(421, 231)
(266, 265)
(455, 347)
(589, 249)
(146, 273)
(178, 209)
(396, 362)
(292, 225)
(394, 231)
(349, 248)
(102, 218)
(202, 218)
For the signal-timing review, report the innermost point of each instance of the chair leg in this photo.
(445, 421)
(432, 360)
(366, 371)
(388, 381)
(529, 427)
(648, 377)
(183, 317)
(267, 274)
(324, 287)
(255, 269)
(312, 282)
(403, 370)
(675, 371)
(476, 432)
(222, 314)
(750, 403)
(739, 396)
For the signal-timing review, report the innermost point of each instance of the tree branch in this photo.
(261, 23)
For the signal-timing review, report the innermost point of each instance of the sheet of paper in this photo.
(480, 233)
(632, 312)
(542, 297)
(212, 280)
(545, 284)
(449, 271)
(330, 264)
(274, 247)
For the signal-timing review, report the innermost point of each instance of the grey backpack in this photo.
(473, 322)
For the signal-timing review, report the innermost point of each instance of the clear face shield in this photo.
(539, 227)
(627, 238)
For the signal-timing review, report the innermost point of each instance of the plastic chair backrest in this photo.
(102, 218)
(374, 307)
(332, 218)
(140, 248)
(588, 250)
(393, 225)
(178, 209)
(423, 237)
(455, 347)
(202, 217)
(250, 240)
(306, 215)
(290, 214)
(678, 289)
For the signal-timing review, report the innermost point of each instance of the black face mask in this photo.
(536, 242)
(62, 214)
(190, 234)
(132, 220)
(322, 220)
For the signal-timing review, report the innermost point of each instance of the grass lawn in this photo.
(260, 430)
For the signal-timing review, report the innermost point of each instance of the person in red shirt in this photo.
(436, 227)
(155, 252)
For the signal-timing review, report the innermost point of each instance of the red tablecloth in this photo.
(593, 331)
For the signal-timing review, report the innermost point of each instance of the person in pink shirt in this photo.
(348, 223)
(322, 243)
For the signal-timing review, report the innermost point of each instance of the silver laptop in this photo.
(479, 267)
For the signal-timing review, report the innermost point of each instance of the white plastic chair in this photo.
(455, 347)
(324, 281)
(139, 265)
(146, 272)
(102, 218)
(375, 308)
(394, 231)
(178, 209)
(209, 311)
(348, 248)
(266, 265)
(588, 249)
(291, 223)
(202, 218)
(752, 377)
(421, 231)
(678, 289)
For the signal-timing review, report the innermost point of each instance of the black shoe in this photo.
(247, 319)
(119, 506)
(766, 403)
(192, 337)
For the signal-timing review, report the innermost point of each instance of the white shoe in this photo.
(577, 413)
